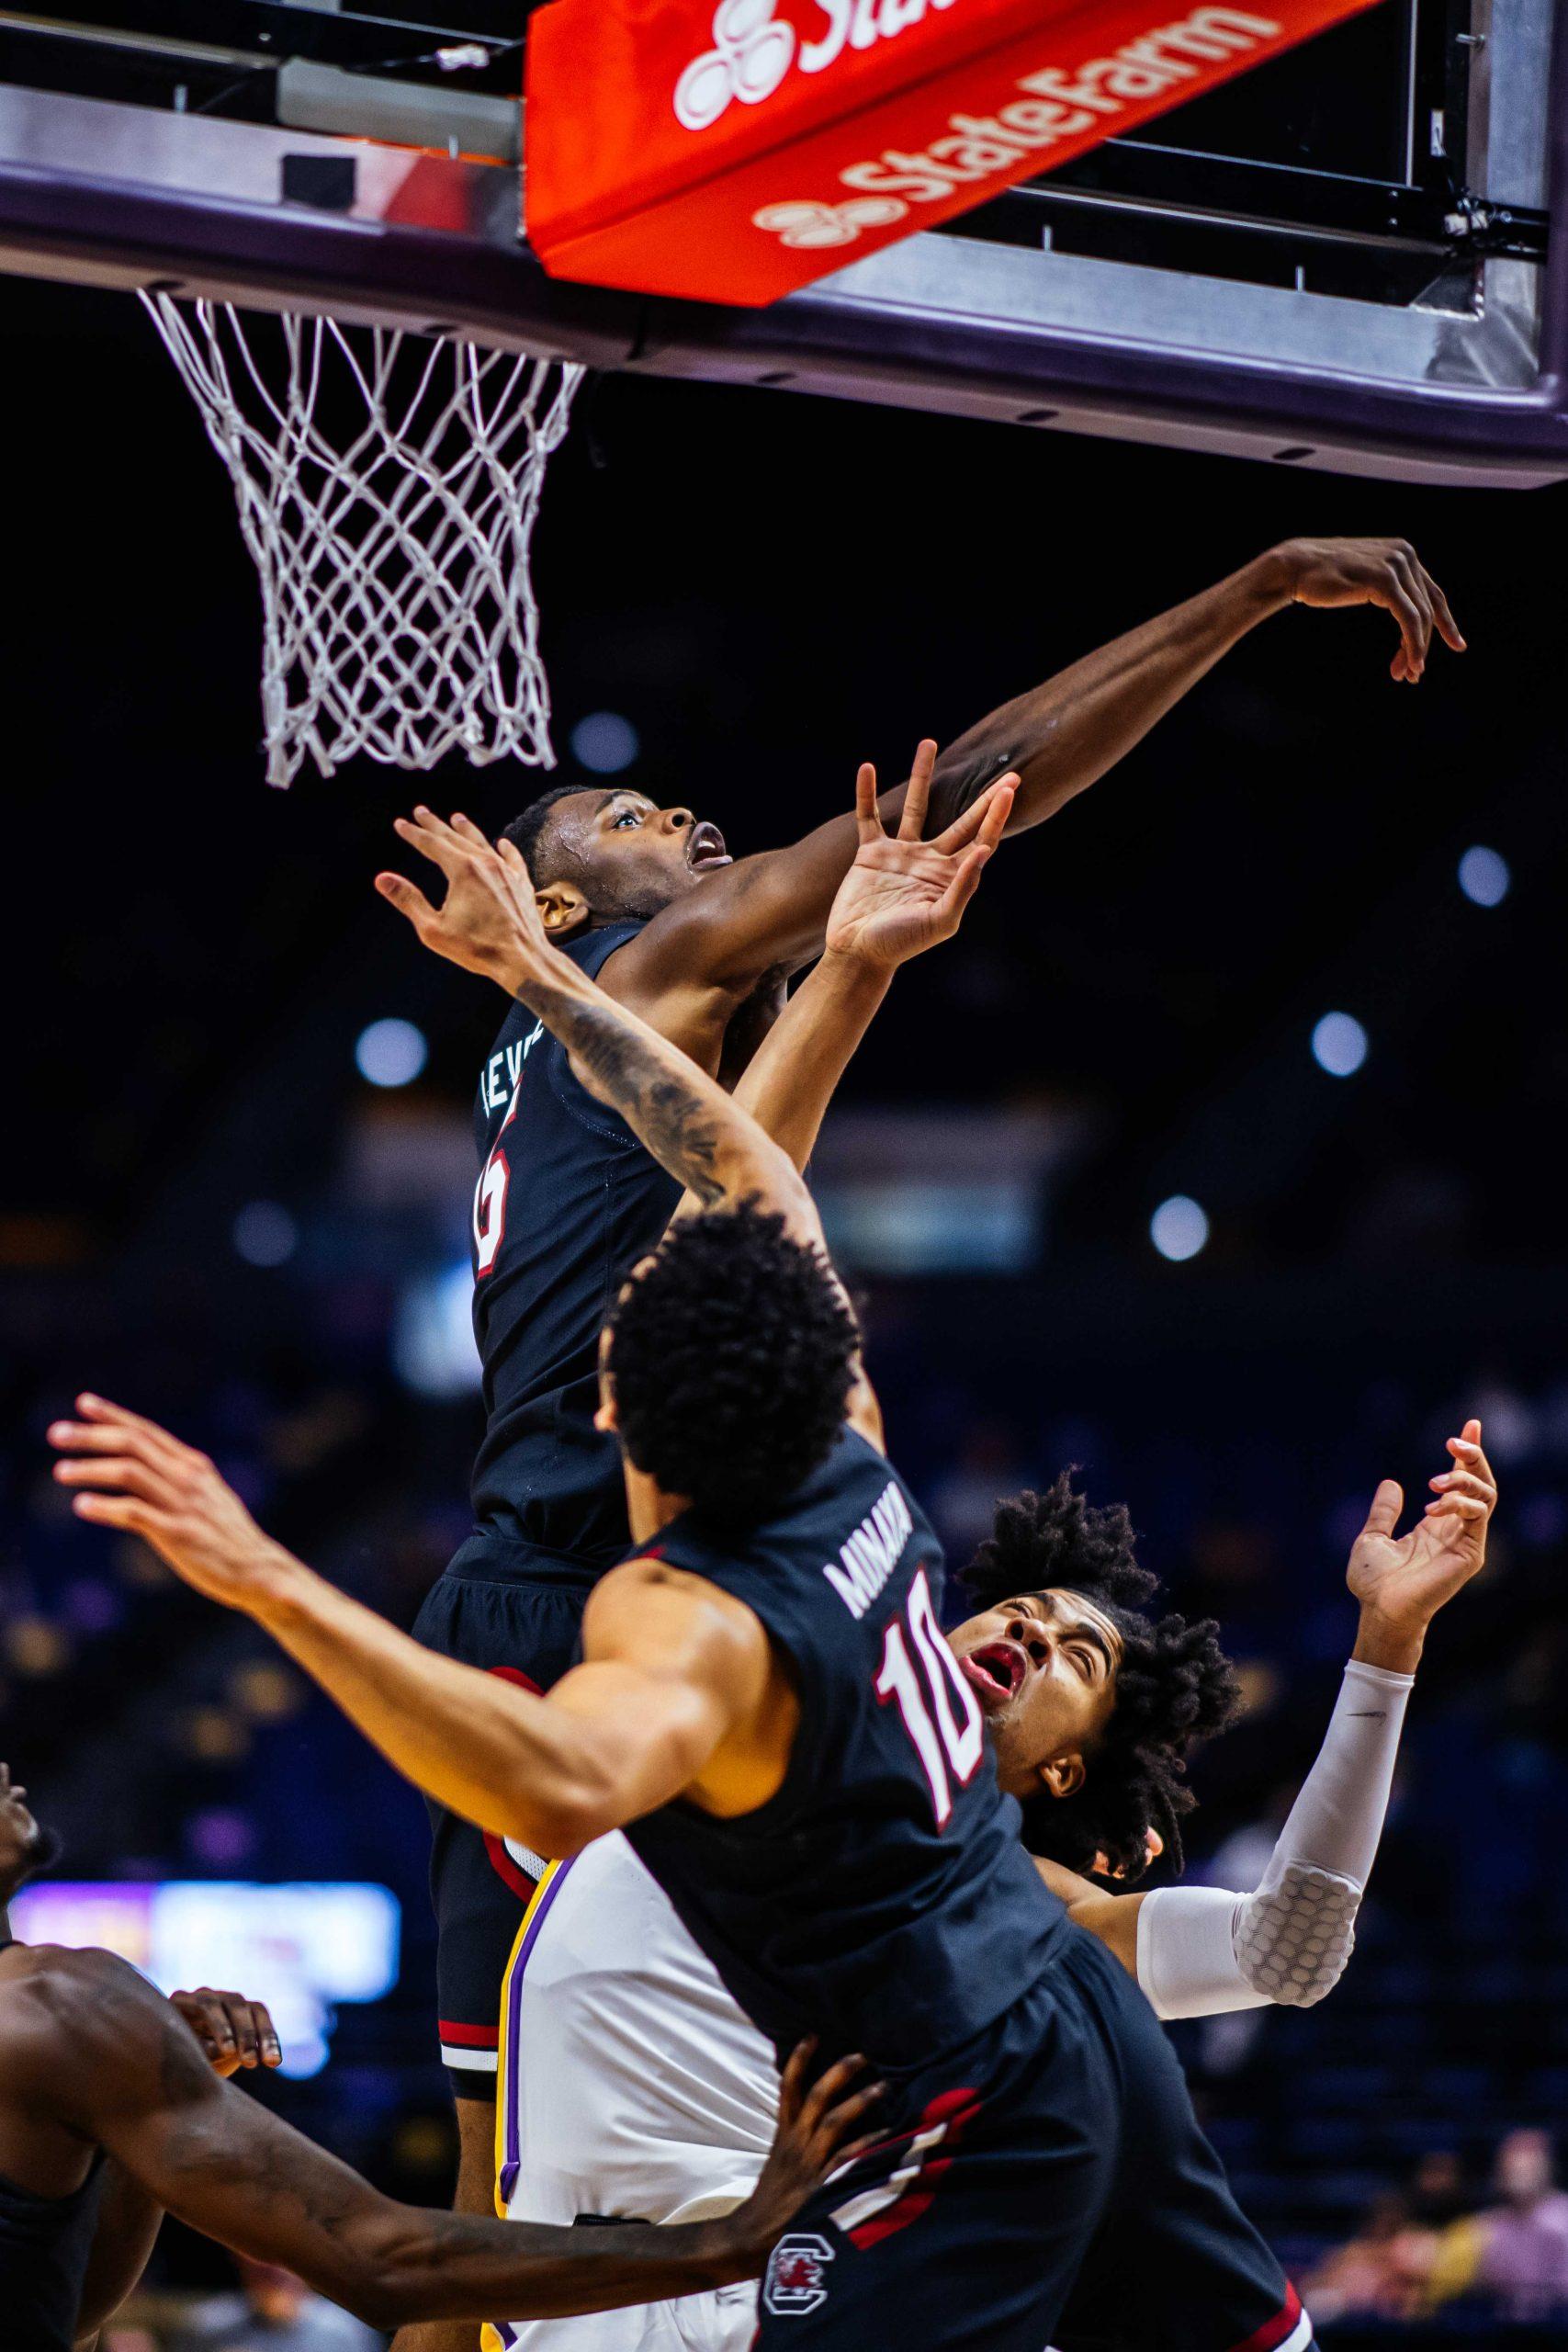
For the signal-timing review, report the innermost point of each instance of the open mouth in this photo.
(706, 850)
(996, 1672)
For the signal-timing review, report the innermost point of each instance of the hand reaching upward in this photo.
(490, 921)
(1403, 1581)
(903, 895)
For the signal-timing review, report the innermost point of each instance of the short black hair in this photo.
(527, 827)
(1174, 1685)
(732, 1354)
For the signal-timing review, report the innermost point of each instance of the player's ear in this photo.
(1063, 1776)
(604, 1418)
(563, 909)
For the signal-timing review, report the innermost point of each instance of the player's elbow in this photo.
(394, 2277)
(560, 1820)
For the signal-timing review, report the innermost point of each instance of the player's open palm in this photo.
(1403, 1581)
(903, 895)
(132, 1475)
(488, 915)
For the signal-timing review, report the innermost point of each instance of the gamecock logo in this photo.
(751, 54)
(808, 222)
(796, 2280)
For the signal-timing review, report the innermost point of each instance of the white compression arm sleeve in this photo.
(1202, 1950)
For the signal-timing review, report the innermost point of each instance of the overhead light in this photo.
(605, 742)
(1178, 1228)
(390, 1053)
(1339, 1045)
(1483, 876)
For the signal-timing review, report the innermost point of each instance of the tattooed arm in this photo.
(489, 923)
(109, 2059)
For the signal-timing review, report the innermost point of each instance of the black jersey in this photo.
(45, 2244)
(881, 1899)
(568, 1200)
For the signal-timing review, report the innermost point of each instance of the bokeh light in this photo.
(391, 1053)
(1339, 1045)
(1483, 876)
(1178, 1228)
(605, 742)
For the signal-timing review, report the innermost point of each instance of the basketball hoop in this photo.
(387, 485)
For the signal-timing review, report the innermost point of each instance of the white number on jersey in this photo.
(949, 1733)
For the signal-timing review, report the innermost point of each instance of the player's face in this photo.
(1043, 1669)
(21, 1839)
(627, 856)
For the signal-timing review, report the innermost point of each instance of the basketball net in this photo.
(387, 486)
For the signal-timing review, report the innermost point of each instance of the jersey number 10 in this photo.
(941, 1712)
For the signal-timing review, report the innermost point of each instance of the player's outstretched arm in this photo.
(1202, 1950)
(1065, 734)
(1061, 737)
(112, 2061)
(552, 1772)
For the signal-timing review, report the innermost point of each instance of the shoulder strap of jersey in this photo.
(592, 950)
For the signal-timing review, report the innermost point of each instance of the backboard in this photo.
(1345, 260)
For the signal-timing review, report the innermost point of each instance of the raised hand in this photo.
(1330, 572)
(489, 919)
(812, 2142)
(233, 2032)
(132, 1475)
(903, 895)
(1403, 1581)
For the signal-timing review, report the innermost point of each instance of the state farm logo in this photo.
(805, 223)
(750, 57)
(1056, 104)
(754, 50)
(796, 2274)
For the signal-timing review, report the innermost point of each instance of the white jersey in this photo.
(631, 2086)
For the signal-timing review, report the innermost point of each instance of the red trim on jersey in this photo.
(469, 2037)
(511, 1875)
(1274, 2331)
(954, 2110)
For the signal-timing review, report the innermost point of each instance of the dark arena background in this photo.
(1219, 1158)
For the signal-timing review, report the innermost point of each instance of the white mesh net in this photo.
(387, 486)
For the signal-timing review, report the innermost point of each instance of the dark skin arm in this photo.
(90, 2044)
(702, 955)
(232, 2033)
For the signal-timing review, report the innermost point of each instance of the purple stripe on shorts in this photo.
(542, 1903)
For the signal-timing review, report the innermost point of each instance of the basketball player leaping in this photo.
(650, 902)
(766, 1703)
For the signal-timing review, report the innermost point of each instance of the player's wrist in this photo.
(1270, 582)
(280, 1588)
(729, 2249)
(1388, 1640)
(862, 977)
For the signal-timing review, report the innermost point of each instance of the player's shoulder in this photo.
(88, 1988)
(81, 2027)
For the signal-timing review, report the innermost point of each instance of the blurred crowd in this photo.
(1429, 2245)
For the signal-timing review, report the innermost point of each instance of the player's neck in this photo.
(649, 1509)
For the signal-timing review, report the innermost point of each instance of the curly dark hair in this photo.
(732, 1354)
(1174, 1685)
(528, 825)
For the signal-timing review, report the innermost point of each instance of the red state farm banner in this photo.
(732, 153)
